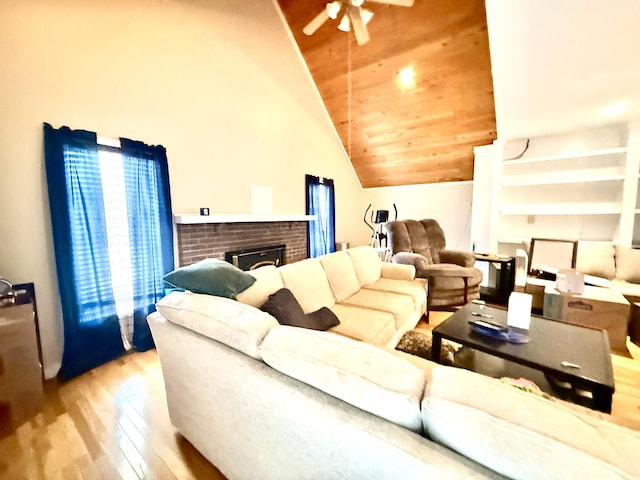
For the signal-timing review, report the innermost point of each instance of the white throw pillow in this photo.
(628, 264)
(523, 435)
(597, 259)
(227, 321)
(268, 281)
(358, 373)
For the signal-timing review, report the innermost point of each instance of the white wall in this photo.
(448, 203)
(218, 83)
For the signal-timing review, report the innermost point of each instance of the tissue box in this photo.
(570, 281)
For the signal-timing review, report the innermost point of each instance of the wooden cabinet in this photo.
(20, 371)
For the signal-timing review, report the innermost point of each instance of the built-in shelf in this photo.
(562, 209)
(567, 156)
(583, 184)
(239, 218)
(526, 241)
(522, 180)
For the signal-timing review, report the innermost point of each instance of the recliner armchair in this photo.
(453, 280)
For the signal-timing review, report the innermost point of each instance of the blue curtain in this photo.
(91, 326)
(150, 229)
(92, 333)
(320, 201)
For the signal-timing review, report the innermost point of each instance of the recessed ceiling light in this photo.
(407, 78)
(615, 109)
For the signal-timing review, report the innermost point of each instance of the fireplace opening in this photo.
(252, 258)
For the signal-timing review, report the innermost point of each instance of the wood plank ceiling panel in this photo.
(404, 134)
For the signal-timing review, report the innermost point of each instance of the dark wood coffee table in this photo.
(540, 360)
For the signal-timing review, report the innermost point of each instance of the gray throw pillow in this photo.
(285, 308)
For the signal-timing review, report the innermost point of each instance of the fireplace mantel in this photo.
(189, 219)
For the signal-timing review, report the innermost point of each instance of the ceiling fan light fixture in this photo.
(345, 23)
(333, 9)
(357, 3)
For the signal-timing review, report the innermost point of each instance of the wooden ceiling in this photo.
(403, 135)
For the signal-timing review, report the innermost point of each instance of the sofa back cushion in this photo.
(341, 274)
(268, 281)
(366, 263)
(227, 321)
(358, 373)
(523, 435)
(597, 259)
(308, 283)
(628, 264)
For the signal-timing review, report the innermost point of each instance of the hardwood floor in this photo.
(110, 423)
(113, 423)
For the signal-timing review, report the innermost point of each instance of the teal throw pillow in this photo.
(211, 276)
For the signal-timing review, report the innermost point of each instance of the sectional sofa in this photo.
(264, 400)
(375, 301)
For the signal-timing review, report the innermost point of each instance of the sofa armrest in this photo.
(397, 271)
(457, 257)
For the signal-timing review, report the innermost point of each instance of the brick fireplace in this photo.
(197, 241)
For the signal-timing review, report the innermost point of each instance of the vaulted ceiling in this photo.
(422, 130)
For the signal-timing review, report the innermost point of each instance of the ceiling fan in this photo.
(350, 12)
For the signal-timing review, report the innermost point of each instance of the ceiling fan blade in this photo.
(359, 28)
(315, 24)
(400, 3)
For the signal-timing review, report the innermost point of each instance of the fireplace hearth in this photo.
(252, 258)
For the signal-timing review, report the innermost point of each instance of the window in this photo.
(113, 242)
(321, 238)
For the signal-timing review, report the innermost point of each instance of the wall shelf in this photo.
(239, 218)
(562, 209)
(568, 156)
(523, 180)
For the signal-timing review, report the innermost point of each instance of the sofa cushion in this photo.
(398, 304)
(268, 281)
(355, 372)
(522, 435)
(340, 273)
(211, 276)
(308, 283)
(284, 307)
(417, 289)
(631, 291)
(366, 263)
(371, 326)
(628, 264)
(597, 259)
(233, 323)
